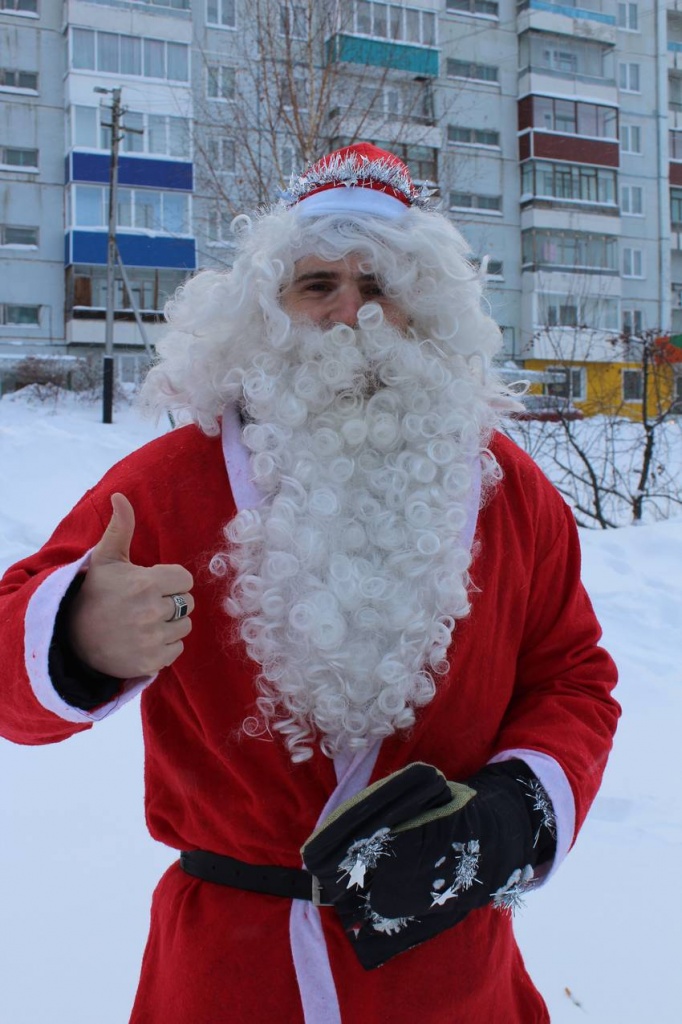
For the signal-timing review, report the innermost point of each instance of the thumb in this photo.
(114, 545)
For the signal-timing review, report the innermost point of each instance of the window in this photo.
(294, 92)
(289, 160)
(632, 385)
(469, 69)
(293, 21)
(627, 17)
(630, 138)
(393, 21)
(568, 382)
(222, 154)
(632, 200)
(557, 310)
(481, 203)
(219, 226)
(563, 56)
(12, 315)
(574, 118)
(473, 136)
(221, 13)
(117, 54)
(162, 134)
(576, 379)
(569, 249)
(85, 126)
(82, 48)
(133, 132)
(221, 82)
(177, 62)
(486, 7)
(142, 209)
(633, 262)
(494, 268)
(675, 92)
(676, 208)
(572, 182)
(10, 79)
(409, 100)
(675, 145)
(130, 55)
(19, 6)
(23, 159)
(628, 77)
(89, 206)
(560, 60)
(632, 321)
(561, 312)
(150, 288)
(13, 236)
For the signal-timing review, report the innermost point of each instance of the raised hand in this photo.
(121, 621)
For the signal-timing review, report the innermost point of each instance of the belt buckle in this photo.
(316, 893)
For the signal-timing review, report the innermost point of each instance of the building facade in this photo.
(552, 132)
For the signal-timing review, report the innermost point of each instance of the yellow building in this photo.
(615, 387)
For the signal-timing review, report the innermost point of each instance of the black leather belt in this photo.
(292, 883)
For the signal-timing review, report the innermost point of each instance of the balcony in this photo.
(536, 144)
(593, 10)
(589, 18)
(137, 250)
(349, 49)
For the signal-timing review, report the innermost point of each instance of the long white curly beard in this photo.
(348, 582)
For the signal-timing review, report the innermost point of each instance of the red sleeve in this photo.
(23, 719)
(561, 704)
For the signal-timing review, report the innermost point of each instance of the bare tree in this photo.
(302, 83)
(624, 461)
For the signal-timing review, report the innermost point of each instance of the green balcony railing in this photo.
(419, 60)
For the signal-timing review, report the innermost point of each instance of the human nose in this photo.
(347, 302)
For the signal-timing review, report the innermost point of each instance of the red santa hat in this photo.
(359, 179)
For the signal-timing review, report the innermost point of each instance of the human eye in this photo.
(372, 289)
(316, 286)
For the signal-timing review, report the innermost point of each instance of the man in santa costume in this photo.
(391, 713)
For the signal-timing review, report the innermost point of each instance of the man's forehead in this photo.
(315, 266)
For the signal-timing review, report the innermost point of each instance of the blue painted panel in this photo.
(572, 12)
(156, 173)
(138, 171)
(136, 250)
(420, 60)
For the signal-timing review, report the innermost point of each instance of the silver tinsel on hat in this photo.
(353, 171)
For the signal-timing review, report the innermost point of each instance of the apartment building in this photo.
(552, 132)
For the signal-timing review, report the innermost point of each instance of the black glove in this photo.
(413, 854)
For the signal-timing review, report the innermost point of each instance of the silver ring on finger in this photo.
(181, 607)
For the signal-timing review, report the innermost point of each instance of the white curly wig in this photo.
(420, 260)
(367, 444)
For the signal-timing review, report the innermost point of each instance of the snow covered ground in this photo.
(77, 868)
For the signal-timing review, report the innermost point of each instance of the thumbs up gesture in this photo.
(122, 620)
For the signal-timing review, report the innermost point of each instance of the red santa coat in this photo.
(526, 674)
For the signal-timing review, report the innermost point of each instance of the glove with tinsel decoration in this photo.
(413, 854)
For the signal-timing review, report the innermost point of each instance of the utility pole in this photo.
(112, 250)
